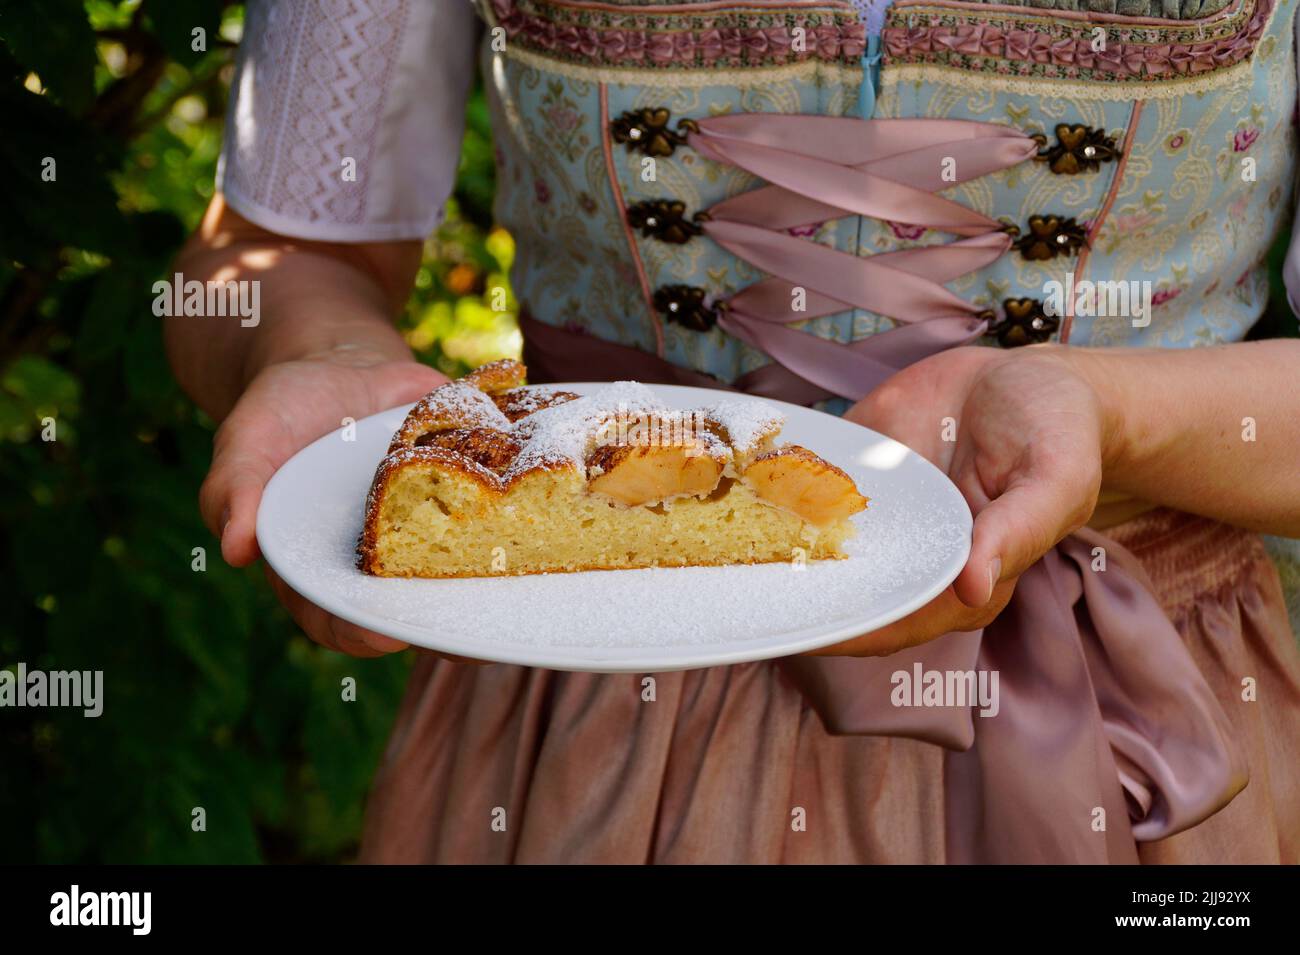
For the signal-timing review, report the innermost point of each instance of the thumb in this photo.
(1018, 527)
(229, 498)
(254, 441)
(400, 382)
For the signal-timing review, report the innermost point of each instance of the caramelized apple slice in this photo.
(799, 481)
(649, 474)
(748, 428)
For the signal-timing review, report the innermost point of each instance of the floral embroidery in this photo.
(1175, 142)
(644, 38)
(1237, 210)
(1228, 163)
(1034, 44)
(1160, 296)
(906, 231)
(1135, 223)
(1243, 138)
(564, 121)
(1063, 49)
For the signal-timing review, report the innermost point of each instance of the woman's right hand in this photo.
(284, 408)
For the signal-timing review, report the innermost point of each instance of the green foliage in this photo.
(175, 23)
(55, 40)
(212, 698)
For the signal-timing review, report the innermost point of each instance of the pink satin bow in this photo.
(1107, 732)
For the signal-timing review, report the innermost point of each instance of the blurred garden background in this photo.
(213, 699)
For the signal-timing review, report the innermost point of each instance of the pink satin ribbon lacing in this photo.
(820, 168)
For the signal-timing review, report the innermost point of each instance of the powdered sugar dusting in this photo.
(526, 400)
(465, 403)
(910, 542)
(554, 434)
(746, 422)
(564, 433)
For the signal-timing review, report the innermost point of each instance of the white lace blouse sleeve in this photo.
(346, 116)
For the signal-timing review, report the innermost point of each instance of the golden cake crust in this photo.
(497, 376)
(482, 437)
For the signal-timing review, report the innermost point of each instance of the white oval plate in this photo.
(912, 541)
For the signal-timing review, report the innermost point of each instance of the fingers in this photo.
(229, 498)
(1019, 526)
(329, 631)
(335, 634)
(945, 614)
(407, 381)
(242, 462)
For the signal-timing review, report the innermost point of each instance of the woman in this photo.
(677, 178)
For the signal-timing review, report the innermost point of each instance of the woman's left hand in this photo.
(1022, 434)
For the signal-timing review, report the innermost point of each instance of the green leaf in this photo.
(16, 421)
(54, 185)
(149, 379)
(175, 23)
(45, 386)
(53, 39)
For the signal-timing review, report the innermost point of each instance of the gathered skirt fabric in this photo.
(507, 764)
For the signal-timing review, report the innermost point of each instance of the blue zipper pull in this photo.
(870, 77)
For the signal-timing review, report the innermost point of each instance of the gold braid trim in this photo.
(1233, 77)
(690, 79)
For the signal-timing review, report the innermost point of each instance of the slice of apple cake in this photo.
(489, 477)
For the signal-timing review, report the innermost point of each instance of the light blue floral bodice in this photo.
(1167, 157)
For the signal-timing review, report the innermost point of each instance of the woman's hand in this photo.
(286, 407)
(1022, 434)
(325, 348)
